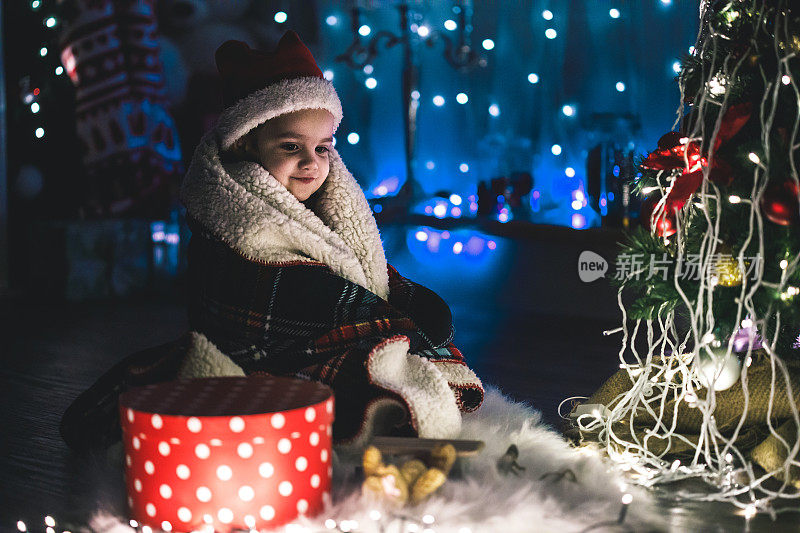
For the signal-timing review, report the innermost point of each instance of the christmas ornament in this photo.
(231, 453)
(718, 369)
(726, 268)
(664, 225)
(780, 203)
(676, 152)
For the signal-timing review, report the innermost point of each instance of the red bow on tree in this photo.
(672, 154)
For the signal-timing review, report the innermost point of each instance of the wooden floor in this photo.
(528, 325)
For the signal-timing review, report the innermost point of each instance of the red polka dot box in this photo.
(226, 453)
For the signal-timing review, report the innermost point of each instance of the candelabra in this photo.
(458, 52)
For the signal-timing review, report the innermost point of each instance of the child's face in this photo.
(295, 149)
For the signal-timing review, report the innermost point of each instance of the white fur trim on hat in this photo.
(274, 100)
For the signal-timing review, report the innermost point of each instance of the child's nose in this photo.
(308, 159)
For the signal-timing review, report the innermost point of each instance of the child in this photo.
(287, 273)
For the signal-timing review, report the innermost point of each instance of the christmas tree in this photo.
(709, 287)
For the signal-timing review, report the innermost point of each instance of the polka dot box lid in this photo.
(230, 453)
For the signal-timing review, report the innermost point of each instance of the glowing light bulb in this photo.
(550, 33)
(458, 247)
(627, 498)
(421, 236)
(353, 138)
(21, 526)
(786, 80)
(364, 30)
(547, 14)
(455, 199)
(59, 70)
(328, 75)
(533, 77)
(620, 86)
(570, 172)
(784, 264)
(39, 133)
(368, 69)
(734, 199)
(50, 22)
(488, 44)
(331, 20)
(35, 4)
(43, 51)
(463, 167)
(371, 83)
(494, 110)
(34, 108)
(556, 149)
(568, 110)
(423, 31)
(415, 95)
(450, 25)
(280, 17)
(462, 98)
(438, 100)
(752, 156)
(613, 13)
(750, 511)
(676, 67)
(430, 165)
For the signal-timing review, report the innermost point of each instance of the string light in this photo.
(488, 44)
(331, 20)
(364, 30)
(450, 25)
(752, 156)
(550, 33)
(43, 51)
(547, 14)
(353, 138)
(36, 4)
(438, 100)
(423, 31)
(463, 167)
(34, 108)
(570, 172)
(328, 75)
(430, 165)
(620, 86)
(415, 95)
(494, 110)
(280, 17)
(533, 78)
(39, 133)
(784, 264)
(59, 70)
(568, 110)
(50, 22)
(462, 98)
(555, 149)
(676, 67)
(734, 199)
(786, 80)
(613, 13)
(21, 526)
(455, 199)
(371, 83)
(368, 69)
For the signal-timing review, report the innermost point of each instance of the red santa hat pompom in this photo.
(258, 86)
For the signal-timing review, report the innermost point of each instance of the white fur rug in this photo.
(484, 500)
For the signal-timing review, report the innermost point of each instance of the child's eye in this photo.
(289, 147)
(323, 149)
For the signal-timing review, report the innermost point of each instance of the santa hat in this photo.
(258, 86)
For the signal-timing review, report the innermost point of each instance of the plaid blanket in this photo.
(301, 319)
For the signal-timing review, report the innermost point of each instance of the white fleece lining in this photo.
(430, 400)
(245, 207)
(274, 100)
(203, 360)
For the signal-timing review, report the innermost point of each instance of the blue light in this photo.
(377, 208)
(488, 44)
(550, 33)
(458, 246)
(423, 31)
(547, 14)
(556, 149)
(615, 171)
(368, 69)
(280, 17)
(331, 20)
(455, 199)
(568, 110)
(578, 221)
(353, 138)
(570, 172)
(613, 13)
(421, 236)
(494, 110)
(463, 167)
(438, 100)
(430, 165)
(456, 212)
(666, 2)
(603, 201)
(450, 25)
(533, 77)
(620, 86)
(611, 197)
(364, 30)
(462, 98)
(371, 83)
(440, 210)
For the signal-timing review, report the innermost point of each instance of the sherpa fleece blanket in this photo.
(286, 289)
